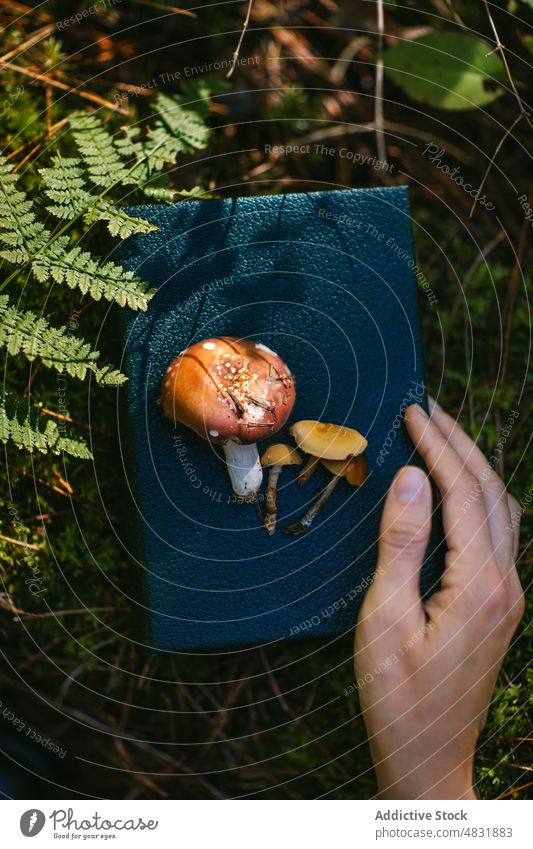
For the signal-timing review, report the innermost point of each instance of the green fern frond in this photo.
(78, 269)
(195, 192)
(30, 242)
(184, 125)
(98, 151)
(20, 231)
(176, 129)
(21, 332)
(74, 188)
(28, 429)
(65, 183)
(109, 376)
(197, 93)
(151, 155)
(119, 223)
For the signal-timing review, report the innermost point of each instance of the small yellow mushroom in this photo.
(328, 441)
(276, 456)
(340, 450)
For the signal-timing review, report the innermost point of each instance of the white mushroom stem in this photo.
(305, 522)
(244, 468)
(270, 501)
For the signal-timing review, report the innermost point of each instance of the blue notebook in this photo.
(326, 280)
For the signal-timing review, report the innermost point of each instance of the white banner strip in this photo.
(267, 824)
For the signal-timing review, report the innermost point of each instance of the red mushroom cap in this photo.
(226, 388)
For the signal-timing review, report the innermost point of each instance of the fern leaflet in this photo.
(21, 332)
(20, 231)
(29, 429)
(97, 149)
(65, 185)
(78, 269)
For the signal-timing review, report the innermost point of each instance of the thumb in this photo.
(404, 535)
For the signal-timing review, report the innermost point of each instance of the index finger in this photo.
(466, 529)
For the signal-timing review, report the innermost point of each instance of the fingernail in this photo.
(410, 484)
(416, 408)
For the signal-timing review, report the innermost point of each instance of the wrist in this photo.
(433, 781)
(443, 790)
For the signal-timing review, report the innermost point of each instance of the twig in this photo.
(24, 9)
(511, 298)
(49, 104)
(7, 603)
(62, 482)
(481, 257)
(237, 50)
(515, 790)
(274, 682)
(175, 9)
(338, 72)
(53, 128)
(523, 111)
(22, 544)
(520, 766)
(499, 47)
(378, 105)
(64, 418)
(87, 95)
(22, 163)
(78, 611)
(34, 372)
(519, 739)
(493, 157)
(37, 36)
(401, 132)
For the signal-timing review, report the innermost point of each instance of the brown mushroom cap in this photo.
(280, 455)
(354, 470)
(226, 388)
(328, 441)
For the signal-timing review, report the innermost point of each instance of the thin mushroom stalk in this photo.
(276, 457)
(271, 508)
(353, 470)
(308, 469)
(306, 521)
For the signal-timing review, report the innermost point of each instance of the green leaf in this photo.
(449, 70)
(25, 426)
(20, 232)
(21, 332)
(187, 130)
(97, 148)
(81, 270)
(64, 184)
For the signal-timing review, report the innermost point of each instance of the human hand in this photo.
(426, 670)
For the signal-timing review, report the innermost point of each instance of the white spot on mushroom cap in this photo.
(262, 347)
(214, 433)
(209, 346)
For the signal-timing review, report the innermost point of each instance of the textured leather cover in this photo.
(326, 280)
